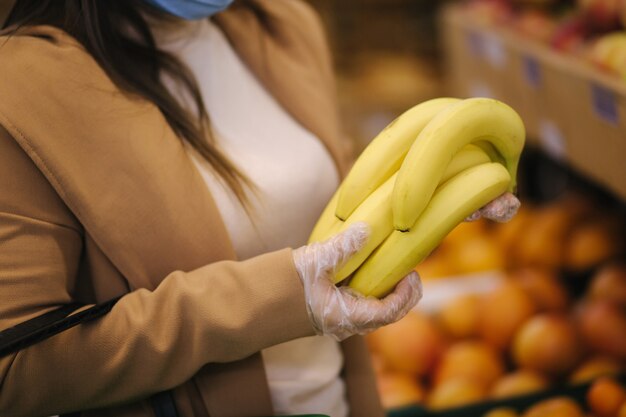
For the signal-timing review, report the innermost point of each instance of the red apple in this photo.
(570, 34)
(602, 15)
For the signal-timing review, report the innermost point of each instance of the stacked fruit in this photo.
(606, 397)
(594, 30)
(525, 335)
(609, 53)
(419, 178)
(572, 234)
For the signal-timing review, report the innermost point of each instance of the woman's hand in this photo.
(338, 311)
(501, 210)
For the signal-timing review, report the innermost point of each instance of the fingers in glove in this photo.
(407, 294)
(322, 259)
(501, 210)
(474, 216)
(370, 313)
(339, 248)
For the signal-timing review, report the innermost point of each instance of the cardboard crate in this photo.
(478, 62)
(572, 111)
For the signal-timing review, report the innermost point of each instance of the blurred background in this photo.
(526, 318)
(388, 57)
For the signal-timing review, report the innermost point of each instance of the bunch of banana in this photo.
(418, 179)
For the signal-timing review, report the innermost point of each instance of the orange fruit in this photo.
(472, 360)
(595, 367)
(592, 243)
(455, 392)
(605, 397)
(555, 407)
(435, 266)
(548, 343)
(544, 288)
(508, 234)
(398, 389)
(502, 311)
(501, 412)
(459, 317)
(412, 344)
(543, 241)
(481, 253)
(609, 283)
(465, 232)
(521, 381)
(603, 326)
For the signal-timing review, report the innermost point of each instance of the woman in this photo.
(113, 181)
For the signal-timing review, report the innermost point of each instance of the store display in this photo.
(543, 349)
(520, 319)
(541, 329)
(574, 110)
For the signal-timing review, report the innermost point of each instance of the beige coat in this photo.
(98, 198)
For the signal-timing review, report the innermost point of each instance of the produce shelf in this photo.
(572, 111)
(519, 403)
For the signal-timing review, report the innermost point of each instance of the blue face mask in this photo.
(191, 9)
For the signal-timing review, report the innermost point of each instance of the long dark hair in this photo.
(115, 32)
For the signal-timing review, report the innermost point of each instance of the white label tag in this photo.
(604, 104)
(552, 140)
(494, 51)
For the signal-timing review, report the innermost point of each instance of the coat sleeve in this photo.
(151, 340)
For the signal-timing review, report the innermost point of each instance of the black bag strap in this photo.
(48, 324)
(60, 319)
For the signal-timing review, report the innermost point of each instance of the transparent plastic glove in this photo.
(501, 210)
(338, 311)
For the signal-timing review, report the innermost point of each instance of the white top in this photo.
(295, 176)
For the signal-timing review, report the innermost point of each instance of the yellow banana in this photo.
(376, 212)
(376, 209)
(490, 150)
(469, 121)
(327, 222)
(452, 202)
(383, 156)
(469, 156)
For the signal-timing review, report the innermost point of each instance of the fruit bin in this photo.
(548, 250)
(489, 363)
(519, 403)
(572, 111)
